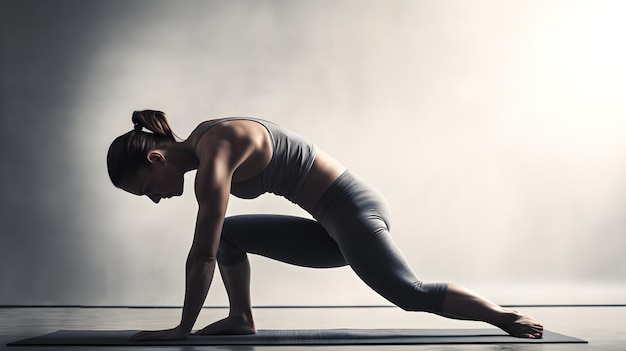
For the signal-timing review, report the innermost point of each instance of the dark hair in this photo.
(128, 152)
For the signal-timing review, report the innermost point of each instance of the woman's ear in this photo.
(156, 156)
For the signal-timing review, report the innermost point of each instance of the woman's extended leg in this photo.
(359, 222)
(380, 264)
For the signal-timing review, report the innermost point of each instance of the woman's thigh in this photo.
(295, 240)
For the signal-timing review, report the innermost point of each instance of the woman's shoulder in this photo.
(236, 129)
(221, 123)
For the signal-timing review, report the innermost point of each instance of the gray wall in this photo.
(494, 128)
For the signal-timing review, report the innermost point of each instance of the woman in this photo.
(247, 157)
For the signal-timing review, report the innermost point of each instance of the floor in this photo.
(603, 327)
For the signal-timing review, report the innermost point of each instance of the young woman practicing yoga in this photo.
(247, 157)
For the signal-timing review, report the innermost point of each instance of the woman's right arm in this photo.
(212, 187)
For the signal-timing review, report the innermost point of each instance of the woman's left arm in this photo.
(212, 191)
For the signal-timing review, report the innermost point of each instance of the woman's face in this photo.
(160, 180)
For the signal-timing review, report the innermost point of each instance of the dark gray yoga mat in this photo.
(300, 337)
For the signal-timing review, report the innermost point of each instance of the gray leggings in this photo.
(351, 227)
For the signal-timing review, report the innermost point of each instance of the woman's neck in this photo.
(182, 155)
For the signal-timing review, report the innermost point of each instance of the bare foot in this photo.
(231, 325)
(521, 326)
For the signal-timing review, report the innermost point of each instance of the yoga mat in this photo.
(299, 337)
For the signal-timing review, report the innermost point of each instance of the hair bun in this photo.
(137, 120)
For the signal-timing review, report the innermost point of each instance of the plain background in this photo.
(494, 128)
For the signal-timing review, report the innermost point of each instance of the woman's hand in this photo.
(168, 334)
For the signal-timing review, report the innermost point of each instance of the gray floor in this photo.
(603, 327)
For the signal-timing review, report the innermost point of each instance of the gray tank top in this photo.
(291, 161)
